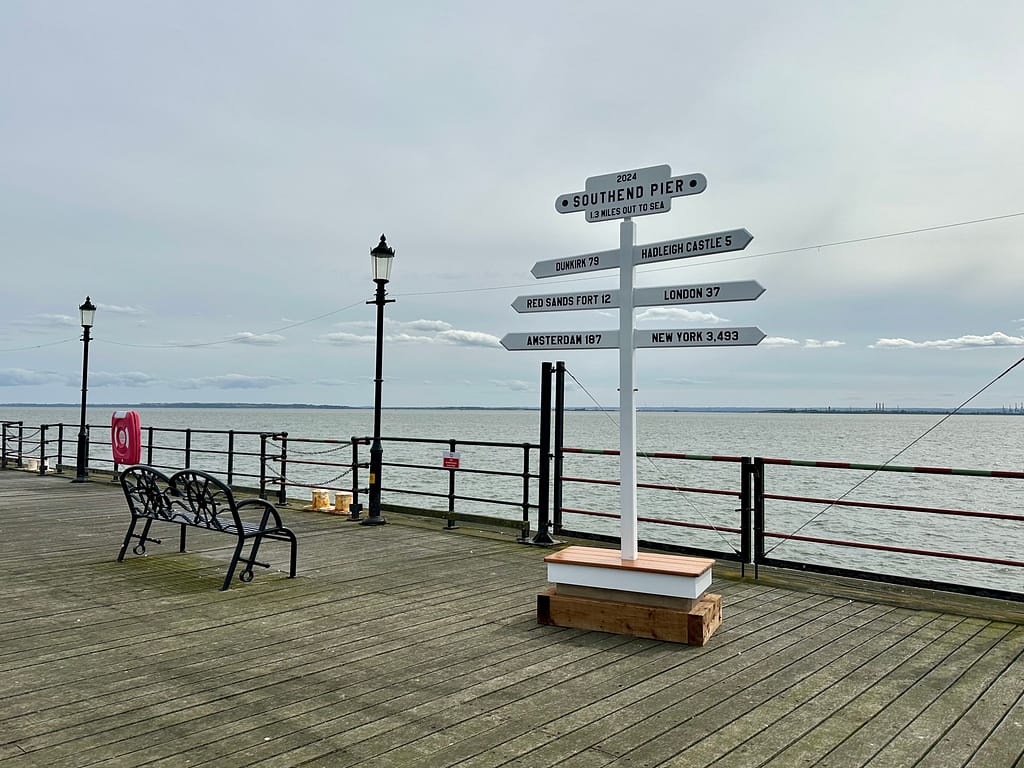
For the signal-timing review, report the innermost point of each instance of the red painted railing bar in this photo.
(652, 486)
(900, 507)
(894, 468)
(657, 521)
(902, 550)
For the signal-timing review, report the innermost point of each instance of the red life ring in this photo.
(126, 437)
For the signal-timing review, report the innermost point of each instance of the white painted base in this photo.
(651, 574)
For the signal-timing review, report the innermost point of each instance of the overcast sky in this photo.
(214, 174)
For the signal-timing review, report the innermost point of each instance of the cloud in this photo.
(126, 379)
(43, 322)
(468, 339)
(680, 381)
(416, 332)
(513, 385)
(233, 381)
(19, 377)
(118, 310)
(424, 325)
(782, 341)
(997, 339)
(341, 338)
(259, 339)
(680, 315)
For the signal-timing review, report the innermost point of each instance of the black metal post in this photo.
(355, 508)
(556, 491)
(759, 524)
(376, 450)
(542, 537)
(451, 491)
(82, 466)
(282, 494)
(746, 511)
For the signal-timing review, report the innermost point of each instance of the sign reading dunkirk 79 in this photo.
(637, 192)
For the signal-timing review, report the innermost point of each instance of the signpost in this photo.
(666, 250)
(701, 293)
(553, 302)
(561, 340)
(748, 336)
(688, 247)
(705, 293)
(625, 195)
(588, 262)
(636, 192)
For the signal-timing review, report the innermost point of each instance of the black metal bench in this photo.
(195, 499)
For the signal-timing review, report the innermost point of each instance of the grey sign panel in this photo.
(561, 340)
(689, 247)
(588, 262)
(555, 302)
(699, 293)
(636, 192)
(748, 336)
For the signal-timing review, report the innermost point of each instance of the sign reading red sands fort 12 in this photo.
(636, 192)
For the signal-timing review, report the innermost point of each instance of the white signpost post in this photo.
(624, 195)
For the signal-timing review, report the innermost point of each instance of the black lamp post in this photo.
(87, 312)
(382, 257)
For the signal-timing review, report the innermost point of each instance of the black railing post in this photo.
(263, 465)
(759, 552)
(355, 508)
(188, 448)
(60, 448)
(746, 513)
(451, 491)
(542, 537)
(3, 445)
(556, 500)
(149, 446)
(21, 445)
(282, 495)
(42, 449)
(524, 536)
(231, 455)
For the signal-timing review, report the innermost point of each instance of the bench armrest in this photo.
(271, 519)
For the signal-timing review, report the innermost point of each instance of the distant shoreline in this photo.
(651, 409)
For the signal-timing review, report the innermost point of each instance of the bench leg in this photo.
(181, 539)
(234, 563)
(127, 538)
(143, 537)
(294, 546)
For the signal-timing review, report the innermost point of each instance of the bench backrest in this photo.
(208, 500)
(145, 489)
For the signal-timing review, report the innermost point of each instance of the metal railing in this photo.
(884, 540)
(496, 484)
(481, 488)
(754, 511)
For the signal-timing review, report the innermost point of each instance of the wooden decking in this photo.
(406, 645)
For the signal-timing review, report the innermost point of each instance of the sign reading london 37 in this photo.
(636, 192)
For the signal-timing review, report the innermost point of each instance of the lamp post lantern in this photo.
(382, 257)
(87, 312)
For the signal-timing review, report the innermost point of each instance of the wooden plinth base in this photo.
(674, 625)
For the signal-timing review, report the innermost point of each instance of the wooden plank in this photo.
(408, 645)
(646, 562)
